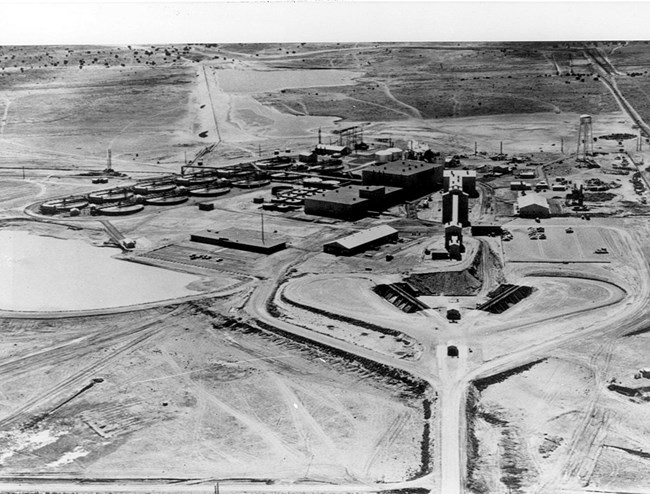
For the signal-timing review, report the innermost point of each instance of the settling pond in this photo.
(236, 103)
(48, 274)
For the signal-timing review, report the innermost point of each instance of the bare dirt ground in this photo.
(194, 396)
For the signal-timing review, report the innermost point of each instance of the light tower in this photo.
(585, 138)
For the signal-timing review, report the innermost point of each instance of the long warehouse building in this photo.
(362, 240)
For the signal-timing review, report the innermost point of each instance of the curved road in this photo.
(452, 377)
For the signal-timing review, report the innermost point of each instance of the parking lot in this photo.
(539, 243)
(217, 258)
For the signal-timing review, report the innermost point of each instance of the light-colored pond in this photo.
(238, 107)
(260, 81)
(48, 274)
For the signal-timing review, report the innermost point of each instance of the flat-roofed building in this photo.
(362, 240)
(520, 185)
(352, 201)
(236, 238)
(527, 174)
(417, 178)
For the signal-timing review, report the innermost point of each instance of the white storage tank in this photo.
(384, 156)
(396, 153)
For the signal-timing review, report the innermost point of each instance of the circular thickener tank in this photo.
(210, 191)
(110, 196)
(153, 188)
(195, 180)
(166, 201)
(121, 210)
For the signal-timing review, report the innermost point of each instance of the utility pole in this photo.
(186, 157)
(262, 216)
(259, 150)
(319, 136)
(475, 148)
(23, 173)
(500, 147)
(562, 145)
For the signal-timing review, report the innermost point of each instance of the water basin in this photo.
(45, 274)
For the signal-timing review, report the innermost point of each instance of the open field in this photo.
(203, 390)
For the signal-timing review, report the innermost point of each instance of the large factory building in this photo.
(353, 201)
(417, 178)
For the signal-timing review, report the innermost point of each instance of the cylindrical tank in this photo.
(120, 210)
(153, 188)
(396, 153)
(166, 200)
(383, 156)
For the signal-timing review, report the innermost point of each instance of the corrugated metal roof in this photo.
(330, 147)
(365, 236)
(532, 199)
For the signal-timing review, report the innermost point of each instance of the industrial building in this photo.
(332, 149)
(417, 178)
(465, 179)
(307, 157)
(486, 229)
(455, 207)
(454, 240)
(520, 185)
(532, 206)
(353, 201)
(526, 174)
(236, 238)
(455, 216)
(362, 240)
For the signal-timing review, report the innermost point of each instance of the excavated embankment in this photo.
(459, 283)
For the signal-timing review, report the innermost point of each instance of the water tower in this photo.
(585, 138)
